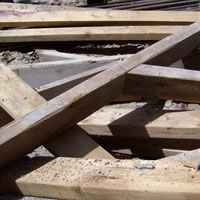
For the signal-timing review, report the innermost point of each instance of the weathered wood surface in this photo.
(97, 17)
(69, 108)
(16, 95)
(164, 83)
(88, 33)
(18, 99)
(143, 123)
(69, 178)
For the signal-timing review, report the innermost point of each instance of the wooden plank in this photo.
(89, 33)
(18, 99)
(77, 144)
(16, 95)
(92, 94)
(145, 122)
(69, 178)
(97, 17)
(165, 83)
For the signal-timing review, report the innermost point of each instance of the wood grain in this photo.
(74, 105)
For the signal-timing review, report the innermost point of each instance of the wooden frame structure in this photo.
(65, 119)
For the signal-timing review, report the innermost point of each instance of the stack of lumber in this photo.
(63, 102)
(71, 24)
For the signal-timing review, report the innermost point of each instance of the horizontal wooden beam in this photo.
(146, 122)
(74, 105)
(69, 178)
(97, 17)
(88, 33)
(165, 83)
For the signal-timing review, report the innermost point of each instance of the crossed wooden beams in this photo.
(71, 178)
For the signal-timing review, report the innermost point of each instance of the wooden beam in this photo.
(97, 17)
(18, 99)
(146, 122)
(74, 105)
(89, 33)
(69, 178)
(165, 83)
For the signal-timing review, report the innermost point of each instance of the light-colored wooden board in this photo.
(69, 178)
(18, 99)
(88, 33)
(143, 123)
(74, 105)
(97, 17)
(16, 96)
(164, 83)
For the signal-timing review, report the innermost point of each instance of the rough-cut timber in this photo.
(19, 99)
(16, 96)
(143, 123)
(74, 105)
(88, 33)
(69, 178)
(97, 17)
(164, 83)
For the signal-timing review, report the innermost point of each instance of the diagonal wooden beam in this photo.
(18, 99)
(74, 105)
